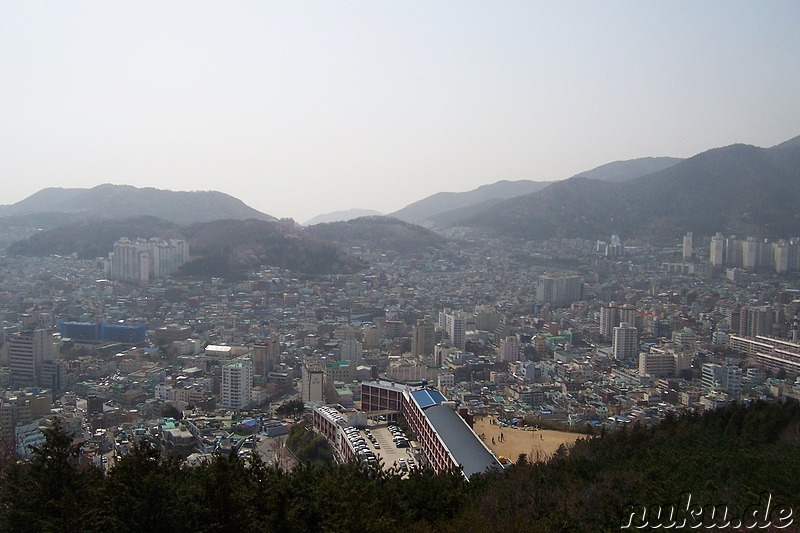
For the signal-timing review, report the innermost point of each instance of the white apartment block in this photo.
(455, 326)
(312, 388)
(625, 344)
(726, 378)
(510, 349)
(141, 260)
(560, 289)
(237, 384)
(31, 357)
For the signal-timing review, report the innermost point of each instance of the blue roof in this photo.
(428, 397)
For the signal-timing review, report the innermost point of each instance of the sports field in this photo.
(538, 445)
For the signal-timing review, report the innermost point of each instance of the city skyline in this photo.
(305, 109)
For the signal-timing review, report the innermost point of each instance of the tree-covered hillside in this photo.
(125, 201)
(737, 189)
(92, 238)
(227, 247)
(221, 248)
(379, 232)
(740, 459)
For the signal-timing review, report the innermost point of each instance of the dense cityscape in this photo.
(563, 334)
(419, 266)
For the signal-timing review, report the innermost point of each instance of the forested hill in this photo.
(221, 248)
(733, 459)
(737, 189)
(379, 232)
(125, 201)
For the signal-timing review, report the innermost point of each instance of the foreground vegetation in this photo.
(730, 458)
(309, 447)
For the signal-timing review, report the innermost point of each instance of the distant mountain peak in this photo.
(121, 201)
(738, 188)
(425, 210)
(342, 216)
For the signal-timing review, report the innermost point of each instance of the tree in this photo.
(292, 407)
(169, 410)
(140, 491)
(47, 494)
(309, 447)
(730, 455)
(232, 487)
(8, 454)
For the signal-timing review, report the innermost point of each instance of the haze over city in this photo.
(418, 266)
(300, 109)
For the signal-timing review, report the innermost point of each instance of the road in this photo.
(273, 451)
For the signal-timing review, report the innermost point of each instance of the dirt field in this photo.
(538, 445)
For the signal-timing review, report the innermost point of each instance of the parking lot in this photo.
(382, 444)
(390, 455)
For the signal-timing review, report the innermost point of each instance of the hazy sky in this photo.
(300, 108)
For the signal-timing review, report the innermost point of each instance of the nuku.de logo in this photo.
(686, 513)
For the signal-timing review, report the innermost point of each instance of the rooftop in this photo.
(465, 447)
(428, 397)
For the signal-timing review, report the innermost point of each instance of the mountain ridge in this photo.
(342, 216)
(444, 209)
(122, 201)
(738, 188)
(629, 169)
(420, 211)
(379, 232)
